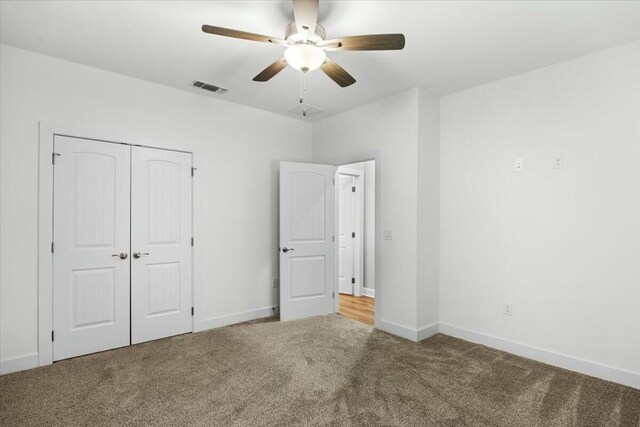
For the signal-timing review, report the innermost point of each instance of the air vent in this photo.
(310, 110)
(211, 88)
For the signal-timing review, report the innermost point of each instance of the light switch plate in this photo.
(507, 309)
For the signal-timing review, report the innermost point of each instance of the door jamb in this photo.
(358, 255)
(345, 159)
(47, 133)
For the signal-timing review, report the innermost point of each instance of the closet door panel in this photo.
(161, 265)
(91, 246)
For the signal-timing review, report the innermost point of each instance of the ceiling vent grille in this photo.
(306, 110)
(211, 88)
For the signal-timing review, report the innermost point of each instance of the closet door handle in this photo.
(137, 255)
(122, 255)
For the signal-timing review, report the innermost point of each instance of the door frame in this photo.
(358, 157)
(358, 250)
(47, 133)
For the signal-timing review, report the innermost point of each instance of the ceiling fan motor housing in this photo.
(291, 34)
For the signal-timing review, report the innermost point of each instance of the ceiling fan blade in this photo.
(369, 42)
(306, 15)
(271, 70)
(227, 32)
(337, 73)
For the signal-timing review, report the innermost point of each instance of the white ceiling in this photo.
(451, 45)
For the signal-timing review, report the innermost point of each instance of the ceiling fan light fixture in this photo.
(305, 57)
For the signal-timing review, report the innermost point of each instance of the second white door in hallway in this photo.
(350, 228)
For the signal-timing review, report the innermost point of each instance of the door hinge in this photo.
(192, 311)
(353, 280)
(333, 238)
(53, 157)
(192, 240)
(353, 234)
(51, 247)
(334, 295)
(193, 171)
(353, 189)
(333, 182)
(51, 336)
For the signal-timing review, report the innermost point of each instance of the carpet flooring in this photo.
(326, 370)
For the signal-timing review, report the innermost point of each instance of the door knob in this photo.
(121, 255)
(137, 255)
(285, 250)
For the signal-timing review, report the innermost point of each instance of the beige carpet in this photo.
(321, 371)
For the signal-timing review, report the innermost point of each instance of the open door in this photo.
(307, 246)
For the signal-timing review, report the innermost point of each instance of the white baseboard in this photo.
(576, 364)
(30, 361)
(587, 367)
(368, 292)
(407, 332)
(427, 331)
(230, 319)
(399, 330)
(19, 363)
(595, 369)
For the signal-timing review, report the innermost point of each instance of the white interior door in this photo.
(307, 247)
(91, 238)
(161, 270)
(346, 236)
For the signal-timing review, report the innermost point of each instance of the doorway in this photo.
(356, 240)
(121, 245)
(310, 248)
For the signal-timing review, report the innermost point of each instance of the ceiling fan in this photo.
(307, 45)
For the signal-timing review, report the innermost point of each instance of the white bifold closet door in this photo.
(122, 245)
(91, 253)
(161, 270)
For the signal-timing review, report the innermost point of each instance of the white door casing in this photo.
(353, 225)
(91, 230)
(346, 238)
(161, 232)
(307, 246)
(49, 133)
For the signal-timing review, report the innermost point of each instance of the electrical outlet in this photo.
(275, 283)
(388, 235)
(519, 165)
(558, 162)
(507, 309)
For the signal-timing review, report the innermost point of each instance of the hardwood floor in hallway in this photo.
(360, 309)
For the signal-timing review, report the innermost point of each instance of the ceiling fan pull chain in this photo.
(304, 86)
(303, 94)
(301, 87)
